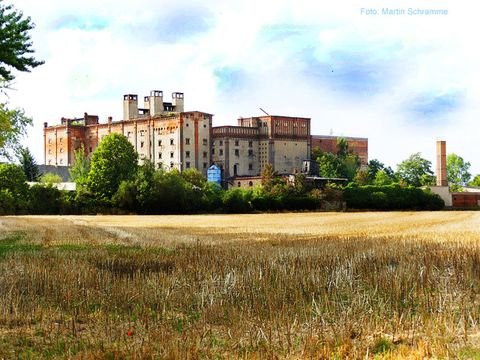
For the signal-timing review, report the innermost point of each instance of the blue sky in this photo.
(401, 81)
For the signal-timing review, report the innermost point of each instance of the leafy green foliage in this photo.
(343, 164)
(45, 199)
(13, 125)
(50, 178)
(416, 171)
(391, 197)
(114, 161)
(457, 170)
(15, 43)
(13, 189)
(28, 164)
(81, 167)
(475, 181)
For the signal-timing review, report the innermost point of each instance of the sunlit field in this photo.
(304, 285)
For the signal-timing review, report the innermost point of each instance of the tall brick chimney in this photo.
(442, 163)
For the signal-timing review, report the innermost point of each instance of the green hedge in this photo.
(391, 197)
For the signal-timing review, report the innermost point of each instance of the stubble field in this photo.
(309, 285)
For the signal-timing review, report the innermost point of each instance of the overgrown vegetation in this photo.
(341, 286)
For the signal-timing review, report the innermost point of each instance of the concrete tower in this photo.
(130, 107)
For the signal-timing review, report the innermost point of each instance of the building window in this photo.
(250, 166)
(250, 183)
(61, 150)
(159, 142)
(221, 142)
(159, 155)
(187, 154)
(221, 152)
(213, 151)
(171, 165)
(141, 144)
(205, 154)
(237, 142)
(61, 161)
(187, 141)
(50, 151)
(250, 143)
(205, 141)
(204, 125)
(187, 124)
(49, 141)
(187, 164)
(250, 152)
(171, 155)
(171, 142)
(239, 184)
(90, 149)
(61, 139)
(237, 152)
(204, 165)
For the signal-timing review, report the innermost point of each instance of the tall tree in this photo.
(458, 173)
(15, 43)
(15, 54)
(416, 171)
(114, 161)
(28, 164)
(13, 125)
(81, 167)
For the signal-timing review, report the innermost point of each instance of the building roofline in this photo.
(336, 137)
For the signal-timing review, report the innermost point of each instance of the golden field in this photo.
(289, 285)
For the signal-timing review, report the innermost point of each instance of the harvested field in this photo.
(304, 285)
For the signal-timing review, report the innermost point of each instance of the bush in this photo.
(391, 197)
(45, 200)
(237, 201)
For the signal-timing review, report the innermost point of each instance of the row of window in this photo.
(187, 165)
(237, 143)
(236, 152)
(187, 155)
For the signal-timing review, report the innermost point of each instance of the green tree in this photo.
(13, 189)
(375, 166)
(15, 43)
(415, 171)
(28, 164)
(457, 171)
(382, 178)
(269, 176)
(50, 178)
(13, 179)
(329, 165)
(114, 161)
(81, 167)
(13, 125)
(475, 181)
(194, 177)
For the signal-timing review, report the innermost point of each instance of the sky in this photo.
(402, 80)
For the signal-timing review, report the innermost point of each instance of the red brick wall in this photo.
(461, 200)
(359, 146)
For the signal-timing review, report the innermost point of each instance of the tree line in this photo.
(112, 181)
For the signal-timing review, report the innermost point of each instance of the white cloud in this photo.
(353, 74)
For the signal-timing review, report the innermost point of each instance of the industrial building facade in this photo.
(161, 132)
(176, 139)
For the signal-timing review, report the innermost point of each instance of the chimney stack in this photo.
(130, 106)
(442, 163)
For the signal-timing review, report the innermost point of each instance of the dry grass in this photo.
(313, 285)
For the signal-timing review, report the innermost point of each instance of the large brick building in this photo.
(161, 132)
(176, 139)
